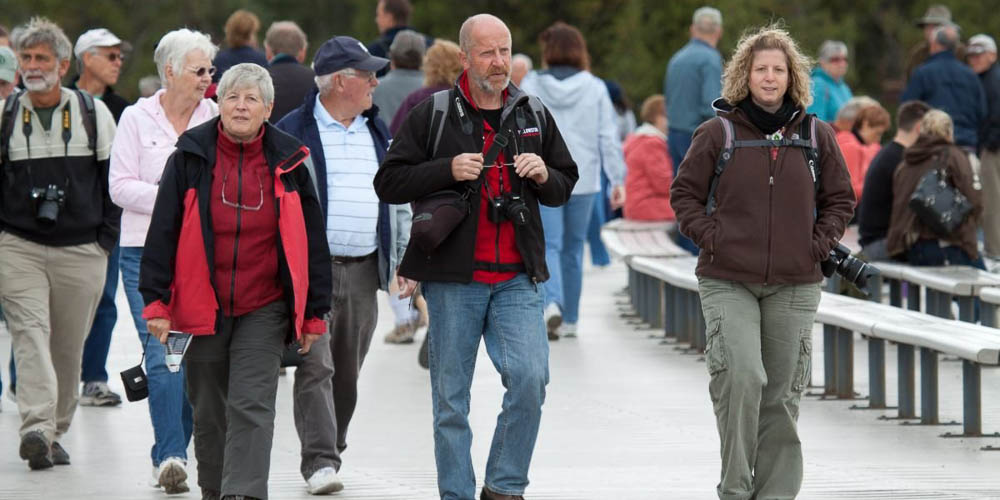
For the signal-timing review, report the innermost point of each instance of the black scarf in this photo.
(769, 123)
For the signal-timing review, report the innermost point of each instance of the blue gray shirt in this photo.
(693, 80)
(945, 83)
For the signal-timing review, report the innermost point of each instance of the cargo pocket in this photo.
(803, 369)
(715, 345)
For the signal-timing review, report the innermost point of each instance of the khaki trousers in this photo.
(759, 357)
(50, 295)
(990, 168)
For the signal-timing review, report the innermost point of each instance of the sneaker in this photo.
(36, 450)
(402, 334)
(324, 481)
(567, 330)
(553, 317)
(59, 454)
(172, 476)
(207, 494)
(99, 394)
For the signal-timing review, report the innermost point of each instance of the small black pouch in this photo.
(134, 379)
(136, 384)
(436, 216)
(290, 356)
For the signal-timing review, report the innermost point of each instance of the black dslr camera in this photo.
(48, 200)
(854, 270)
(508, 207)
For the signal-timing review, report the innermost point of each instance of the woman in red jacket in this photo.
(649, 169)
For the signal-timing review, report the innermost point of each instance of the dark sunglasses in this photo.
(837, 59)
(115, 56)
(200, 72)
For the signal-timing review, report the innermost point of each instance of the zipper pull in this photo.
(774, 154)
(771, 181)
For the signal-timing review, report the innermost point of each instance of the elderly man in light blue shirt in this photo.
(367, 238)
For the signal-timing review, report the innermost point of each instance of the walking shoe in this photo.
(567, 330)
(59, 454)
(207, 494)
(324, 481)
(35, 449)
(172, 476)
(99, 394)
(553, 317)
(402, 334)
(490, 495)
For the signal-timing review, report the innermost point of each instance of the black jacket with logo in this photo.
(410, 172)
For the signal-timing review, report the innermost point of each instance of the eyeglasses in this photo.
(200, 72)
(115, 56)
(364, 75)
(837, 59)
(228, 203)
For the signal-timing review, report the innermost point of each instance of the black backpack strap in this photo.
(728, 145)
(807, 131)
(7, 128)
(90, 118)
(439, 114)
(539, 111)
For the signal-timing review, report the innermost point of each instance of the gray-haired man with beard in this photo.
(57, 228)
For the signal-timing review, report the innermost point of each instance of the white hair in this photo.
(707, 20)
(175, 46)
(524, 59)
(324, 83)
(830, 49)
(41, 31)
(247, 75)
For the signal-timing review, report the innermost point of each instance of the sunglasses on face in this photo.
(115, 56)
(200, 72)
(838, 59)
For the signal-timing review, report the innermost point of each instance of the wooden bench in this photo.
(878, 323)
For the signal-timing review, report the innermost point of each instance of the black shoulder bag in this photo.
(939, 205)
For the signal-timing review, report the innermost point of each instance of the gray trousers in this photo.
(990, 168)
(759, 357)
(232, 381)
(326, 383)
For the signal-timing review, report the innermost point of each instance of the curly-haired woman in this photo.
(758, 272)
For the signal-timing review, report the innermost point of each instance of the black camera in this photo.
(854, 270)
(49, 200)
(508, 207)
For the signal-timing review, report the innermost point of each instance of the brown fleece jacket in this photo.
(904, 227)
(770, 224)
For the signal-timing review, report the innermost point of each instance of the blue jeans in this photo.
(168, 403)
(565, 231)
(95, 349)
(678, 143)
(602, 213)
(508, 317)
(930, 253)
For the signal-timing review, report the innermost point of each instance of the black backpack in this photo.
(805, 139)
(10, 111)
(442, 104)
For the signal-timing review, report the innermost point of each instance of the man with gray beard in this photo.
(58, 228)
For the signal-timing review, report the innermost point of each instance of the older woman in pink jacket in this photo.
(145, 139)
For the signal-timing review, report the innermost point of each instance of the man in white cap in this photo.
(982, 57)
(99, 59)
(99, 62)
(8, 71)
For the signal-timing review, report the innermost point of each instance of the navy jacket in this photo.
(947, 84)
(301, 123)
(227, 58)
(989, 133)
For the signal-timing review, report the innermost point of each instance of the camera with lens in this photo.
(854, 270)
(48, 200)
(508, 207)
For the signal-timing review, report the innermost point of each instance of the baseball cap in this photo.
(981, 43)
(99, 37)
(342, 52)
(8, 64)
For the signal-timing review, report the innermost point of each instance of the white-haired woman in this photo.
(146, 136)
(237, 256)
(830, 92)
(763, 233)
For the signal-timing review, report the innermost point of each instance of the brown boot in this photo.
(490, 495)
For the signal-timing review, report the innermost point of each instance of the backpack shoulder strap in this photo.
(807, 131)
(7, 127)
(439, 115)
(539, 111)
(90, 118)
(728, 144)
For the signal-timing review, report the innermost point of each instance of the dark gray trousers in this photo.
(232, 381)
(326, 383)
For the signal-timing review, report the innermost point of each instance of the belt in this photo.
(337, 259)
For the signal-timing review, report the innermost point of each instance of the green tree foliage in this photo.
(630, 41)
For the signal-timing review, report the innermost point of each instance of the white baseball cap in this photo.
(981, 43)
(99, 37)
